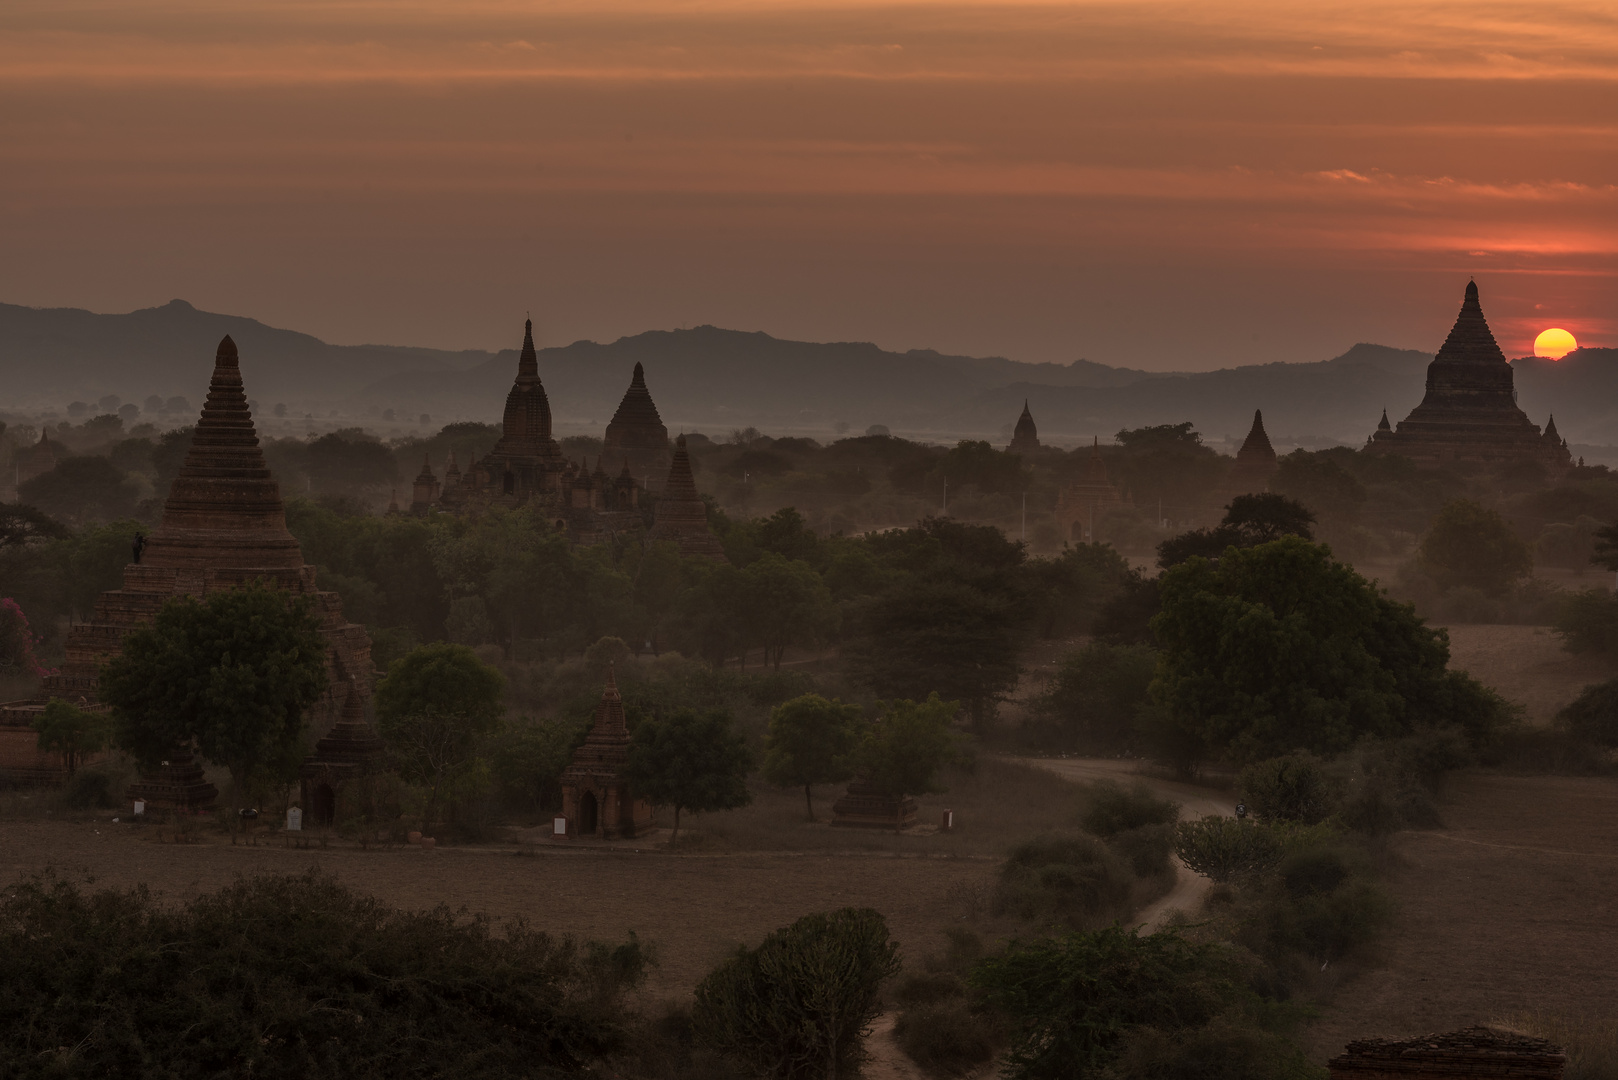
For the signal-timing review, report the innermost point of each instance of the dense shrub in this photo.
(947, 1037)
(94, 789)
(1093, 701)
(1111, 808)
(1073, 880)
(1320, 904)
(1296, 787)
(1593, 715)
(799, 1005)
(1071, 1000)
(1588, 623)
(292, 977)
(1223, 849)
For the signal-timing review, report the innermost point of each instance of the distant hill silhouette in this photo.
(51, 356)
(711, 379)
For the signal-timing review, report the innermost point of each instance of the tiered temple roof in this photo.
(636, 434)
(681, 515)
(1469, 412)
(1025, 439)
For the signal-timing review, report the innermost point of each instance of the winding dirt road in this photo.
(1194, 801)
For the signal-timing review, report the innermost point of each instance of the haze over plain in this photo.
(1165, 186)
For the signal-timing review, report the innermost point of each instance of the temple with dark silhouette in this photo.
(1470, 413)
(596, 797)
(1091, 495)
(1025, 438)
(526, 468)
(1255, 464)
(636, 435)
(223, 527)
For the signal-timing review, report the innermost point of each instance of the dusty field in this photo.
(1526, 664)
(1512, 907)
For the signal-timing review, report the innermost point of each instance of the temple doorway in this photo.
(587, 814)
(323, 804)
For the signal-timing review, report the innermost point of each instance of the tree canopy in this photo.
(690, 761)
(1279, 648)
(910, 743)
(812, 741)
(1470, 544)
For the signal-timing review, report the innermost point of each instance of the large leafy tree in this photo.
(22, 525)
(690, 761)
(432, 708)
(943, 636)
(1249, 520)
(1279, 648)
(72, 732)
(232, 673)
(904, 751)
(1470, 544)
(811, 741)
(787, 603)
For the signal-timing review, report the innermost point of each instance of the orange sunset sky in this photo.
(1159, 185)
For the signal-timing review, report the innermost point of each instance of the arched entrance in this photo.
(323, 804)
(587, 814)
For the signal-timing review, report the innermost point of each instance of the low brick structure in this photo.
(1475, 1053)
(865, 807)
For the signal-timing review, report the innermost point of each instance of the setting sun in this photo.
(1554, 343)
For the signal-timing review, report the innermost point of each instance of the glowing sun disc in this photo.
(1554, 343)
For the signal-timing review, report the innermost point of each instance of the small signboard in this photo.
(559, 827)
(140, 807)
(294, 819)
(949, 821)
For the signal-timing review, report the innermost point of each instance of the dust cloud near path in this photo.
(1526, 665)
(1195, 802)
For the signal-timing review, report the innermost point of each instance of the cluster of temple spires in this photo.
(1469, 413)
(526, 467)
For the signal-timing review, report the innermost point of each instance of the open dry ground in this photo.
(1512, 907)
(1526, 664)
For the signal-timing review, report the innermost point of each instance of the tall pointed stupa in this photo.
(1255, 463)
(636, 433)
(526, 460)
(223, 526)
(1470, 412)
(680, 514)
(1025, 438)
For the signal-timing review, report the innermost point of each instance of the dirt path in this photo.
(1194, 801)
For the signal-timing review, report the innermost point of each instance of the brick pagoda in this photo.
(636, 435)
(1470, 413)
(1079, 503)
(681, 515)
(596, 800)
(1255, 464)
(223, 526)
(1025, 439)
